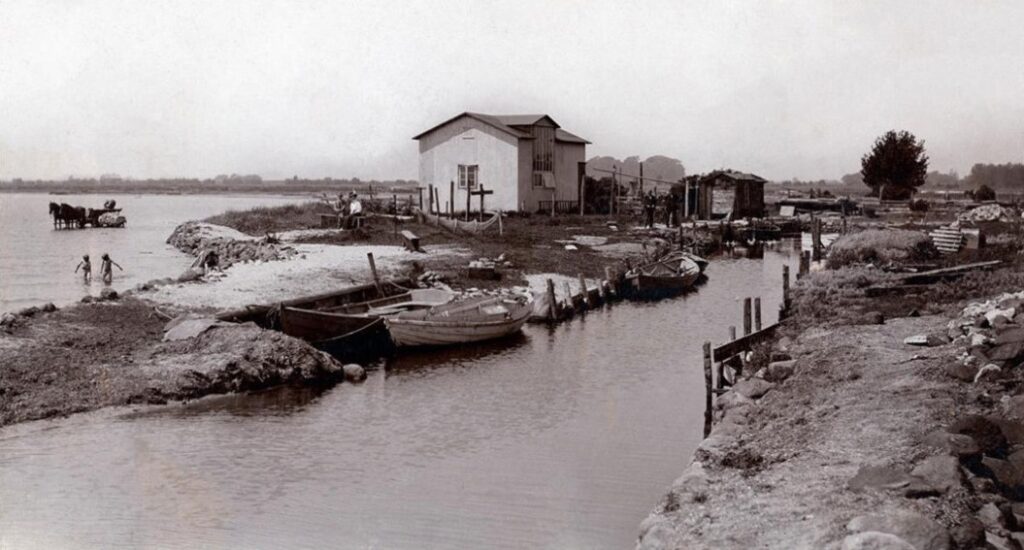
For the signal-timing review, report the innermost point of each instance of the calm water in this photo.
(37, 264)
(561, 438)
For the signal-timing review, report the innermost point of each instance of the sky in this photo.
(337, 89)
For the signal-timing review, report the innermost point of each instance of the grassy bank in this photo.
(261, 220)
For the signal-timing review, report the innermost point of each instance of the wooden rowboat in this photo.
(356, 330)
(473, 320)
(673, 274)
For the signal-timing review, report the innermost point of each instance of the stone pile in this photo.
(988, 213)
(490, 263)
(992, 336)
(230, 247)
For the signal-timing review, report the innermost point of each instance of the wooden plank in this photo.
(934, 275)
(727, 350)
(412, 241)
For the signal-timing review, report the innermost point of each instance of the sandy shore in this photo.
(317, 268)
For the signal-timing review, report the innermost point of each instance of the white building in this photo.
(527, 160)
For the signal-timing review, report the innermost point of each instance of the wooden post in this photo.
(501, 230)
(805, 263)
(708, 389)
(373, 271)
(468, 206)
(430, 198)
(552, 203)
(451, 199)
(586, 295)
(420, 191)
(552, 306)
(757, 314)
(482, 195)
(732, 333)
(785, 286)
(608, 277)
(568, 296)
(816, 240)
(746, 317)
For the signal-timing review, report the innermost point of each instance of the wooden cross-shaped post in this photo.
(481, 192)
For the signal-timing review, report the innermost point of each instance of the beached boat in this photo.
(355, 329)
(473, 320)
(673, 274)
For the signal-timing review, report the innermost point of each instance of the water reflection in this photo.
(562, 437)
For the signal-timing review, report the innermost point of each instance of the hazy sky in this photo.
(783, 89)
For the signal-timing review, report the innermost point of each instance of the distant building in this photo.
(527, 160)
(748, 192)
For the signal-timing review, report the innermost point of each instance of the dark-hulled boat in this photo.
(355, 330)
(673, 274)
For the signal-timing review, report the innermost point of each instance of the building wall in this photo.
(567, 159)
(469, 141)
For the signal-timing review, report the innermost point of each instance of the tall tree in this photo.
(896, 165)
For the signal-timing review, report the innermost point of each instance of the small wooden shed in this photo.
(748, 196)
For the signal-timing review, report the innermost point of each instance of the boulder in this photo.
(693, 480)
(732, 399)
(48, 308)
(8, 319)
(964, 372)
(28, 311)
(941, 473)
(969, 534)
(873, 540)
(753, 388)
(958, 445)
(88, 299)
(1006, 352)
(778, 371)
(921, 532)
(1005, 473)
(990, 371)
(1012, 430)
(1006, 313)
(986, 434)
(1013, 407)
(879, 477)
(997, 542)
(916, 340)
(108, 294)
(991, 517)
(354, 372)
(1009, 335)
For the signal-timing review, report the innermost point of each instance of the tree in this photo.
(984, 193)
(896, 165)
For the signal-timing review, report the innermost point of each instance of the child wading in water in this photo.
(105, 271)
(86, 268)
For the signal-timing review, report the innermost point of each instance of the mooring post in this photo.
(501, 229)
(785, 287)
(708, 389)
(552, 307)
(420, 191)
(373, 271)
(568, 296)
(816, 240)
(586, 295)
(757, 314)
(746, 316)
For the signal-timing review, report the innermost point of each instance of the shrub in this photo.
(264, 219)
(918, 205)
(881, 246)
(984, 193)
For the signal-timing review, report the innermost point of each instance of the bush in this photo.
(266, 219)
(984, 193)
(919, 205)
(881, 246)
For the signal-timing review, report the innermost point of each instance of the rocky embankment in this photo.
(57, 362)
(907, 434)
(230, 246)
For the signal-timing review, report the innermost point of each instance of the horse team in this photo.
(66, 216)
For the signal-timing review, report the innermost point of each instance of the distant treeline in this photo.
(999, 177)
(233, 183)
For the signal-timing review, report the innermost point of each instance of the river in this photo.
(563, 437)
(37, 263)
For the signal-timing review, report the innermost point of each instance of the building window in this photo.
(468, 176)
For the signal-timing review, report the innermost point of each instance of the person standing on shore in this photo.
(105, 270)
(86, 268)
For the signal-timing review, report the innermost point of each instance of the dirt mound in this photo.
(230, 246)
(235, 358)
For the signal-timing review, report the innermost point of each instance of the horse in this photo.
(72, 216)
(55, 212)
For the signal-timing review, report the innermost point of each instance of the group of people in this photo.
(106, 269)
(350, 208)
(671, 204)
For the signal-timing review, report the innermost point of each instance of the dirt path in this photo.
(776, 471)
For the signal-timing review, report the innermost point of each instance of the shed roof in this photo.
(507, 124)
(735, 176)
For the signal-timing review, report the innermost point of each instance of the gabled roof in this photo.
(568, 137)
(508, 124)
